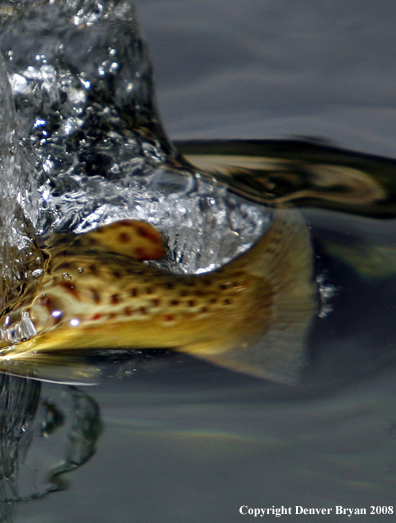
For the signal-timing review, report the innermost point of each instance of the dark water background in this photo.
(265, 69)
(185, 441)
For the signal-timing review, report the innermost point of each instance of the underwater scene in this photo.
(198, 261)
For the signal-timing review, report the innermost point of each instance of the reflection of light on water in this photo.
(191, 436)
(344, 440)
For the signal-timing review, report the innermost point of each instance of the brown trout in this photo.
(251, 315)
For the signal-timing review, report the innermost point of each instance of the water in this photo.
(167, 437)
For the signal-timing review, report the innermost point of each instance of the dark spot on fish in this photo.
(142, 231)
(88, 240)
(156, 303)
(124, 237)
(213, 300)
(227, 301)
(174, 303)
(128, 311)
(117, 274)
(94, 269)
(95, 295)
(134, 292)
(191, 303)
(115, 299)
(149, 290)
(143, 310)
(204, 310)
(207, 281)
(170, 285)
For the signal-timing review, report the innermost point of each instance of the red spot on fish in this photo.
(71, 288)
(143, 231)
(141, 254)
(96, 316)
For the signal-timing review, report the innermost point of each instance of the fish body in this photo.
(251, 315)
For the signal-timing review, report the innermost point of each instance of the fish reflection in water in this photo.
(45, 432)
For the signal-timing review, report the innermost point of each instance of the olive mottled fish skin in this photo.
(96, 295)
(118, 302)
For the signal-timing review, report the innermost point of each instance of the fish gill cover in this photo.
(90, 148)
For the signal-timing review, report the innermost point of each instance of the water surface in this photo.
(185, 441)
